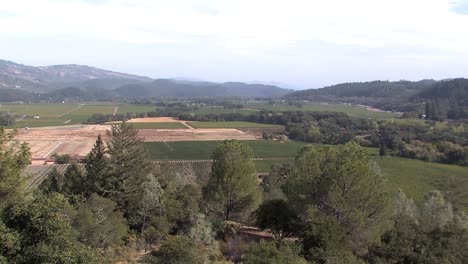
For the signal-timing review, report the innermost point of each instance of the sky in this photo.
(294, 43)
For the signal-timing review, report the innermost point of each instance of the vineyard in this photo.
(36, 174)
(183, 170)
(231, 124)
(202, 150)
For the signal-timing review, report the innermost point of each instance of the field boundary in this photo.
(66, 113)
(52, 150)
(185, 123)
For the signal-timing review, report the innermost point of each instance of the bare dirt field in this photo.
(193, 134)
(149, 120)
(153, 120)
(74, 140)
(79, 139)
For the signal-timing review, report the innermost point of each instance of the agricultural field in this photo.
(190, 161)
(159, 125)
(414, 177)
(231, 124)
(130, 108)
(417, 177)
(202, 150)
(216, 110)
(352, 110)
(36, 174)
(56, 114)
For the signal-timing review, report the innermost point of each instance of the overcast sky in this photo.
(301, 44)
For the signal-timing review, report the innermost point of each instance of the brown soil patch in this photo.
(193, 134)
(78, 140)
(73, 140)
(153, 120)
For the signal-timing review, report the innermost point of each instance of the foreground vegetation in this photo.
(331, 204)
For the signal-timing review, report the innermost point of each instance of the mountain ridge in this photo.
(104, 83)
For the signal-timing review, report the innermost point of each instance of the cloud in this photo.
(460, 7)
(294, 41)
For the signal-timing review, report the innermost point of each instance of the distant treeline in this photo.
(438, 100)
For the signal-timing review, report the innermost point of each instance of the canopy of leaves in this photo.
(277, 216)
(233, 186)
(99, 224)
(270, 252)
(45, 232)
(13, 159)
(176, 250)
(340, 182)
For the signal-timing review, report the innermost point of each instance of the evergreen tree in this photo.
(45, 233)
(431, 234)
(233, 187)
(129, 165)
(269, 252)
(53, 182)
(74, 181)
(97, 169)
(277, 216)
(12, 163)
(176, 250)
(339, 182)
(151, 202)
(99, 224)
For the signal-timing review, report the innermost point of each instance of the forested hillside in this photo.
(446, 99)
(383, 94)
(173, 89)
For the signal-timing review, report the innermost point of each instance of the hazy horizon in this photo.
(296, 44)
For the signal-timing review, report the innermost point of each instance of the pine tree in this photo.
(97, 169)
(12, 163)
(128, 167)
(53, 182)
(233, 187)
(74, 181)
(339, 182)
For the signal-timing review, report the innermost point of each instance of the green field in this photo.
(57, 114)
(215, 110)
(352, 110)
(129, 108)
(159, 125)
(232, 124)
(252, 107)
(202, 150)
(417, 177)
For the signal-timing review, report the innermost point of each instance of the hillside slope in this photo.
(47, 78)
(78, 82)
(382, 94)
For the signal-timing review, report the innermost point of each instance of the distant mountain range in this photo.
(84, 82)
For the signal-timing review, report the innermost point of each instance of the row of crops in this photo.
(202, 150)
(199, 170)
(186, 171)
(36, 174)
